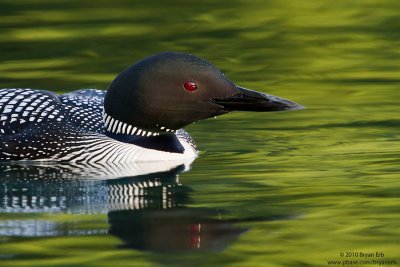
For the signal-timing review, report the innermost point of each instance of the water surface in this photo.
(269, 189)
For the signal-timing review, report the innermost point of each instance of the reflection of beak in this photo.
(249, 100)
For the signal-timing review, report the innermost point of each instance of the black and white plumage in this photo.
(139, 118)
(40, 125)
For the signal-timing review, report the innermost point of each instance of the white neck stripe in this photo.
(115, 126)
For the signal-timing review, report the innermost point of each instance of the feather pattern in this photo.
(40, 125)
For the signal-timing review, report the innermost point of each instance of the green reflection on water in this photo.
(308, 184)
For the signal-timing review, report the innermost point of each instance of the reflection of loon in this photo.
(146, 211)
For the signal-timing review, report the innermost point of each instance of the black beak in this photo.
(249, 100)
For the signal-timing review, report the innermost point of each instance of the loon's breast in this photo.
(40, 125)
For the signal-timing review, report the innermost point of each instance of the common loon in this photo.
(139, 118)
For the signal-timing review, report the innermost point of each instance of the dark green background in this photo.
(331, 170)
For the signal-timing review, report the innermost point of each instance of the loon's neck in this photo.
(126, 133)
(115, 126)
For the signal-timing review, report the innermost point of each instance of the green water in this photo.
(270, 189)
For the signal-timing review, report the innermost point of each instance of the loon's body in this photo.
(139, 118)
(40, 125)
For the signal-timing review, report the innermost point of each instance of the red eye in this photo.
(190, 86)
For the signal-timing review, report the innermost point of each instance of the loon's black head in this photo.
(169, 90)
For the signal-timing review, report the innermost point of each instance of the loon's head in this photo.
(170, 90)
